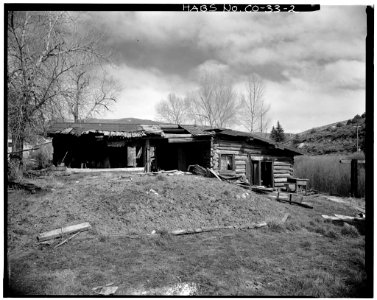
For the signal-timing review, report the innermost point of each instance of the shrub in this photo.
(276, 227)
(339, 124)
(160, 177)
(350, 231)
(42, 158)
(331, 234)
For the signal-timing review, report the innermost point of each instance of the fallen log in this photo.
(62, 231)
(294, 202)
(67, 239)
(207, 229)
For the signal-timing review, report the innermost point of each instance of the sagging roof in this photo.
(125, 130)
(251, 136)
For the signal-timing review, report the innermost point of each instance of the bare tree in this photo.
(215, 103)
(254, 109)
(87, 94)
(172, 110)
(40, 53)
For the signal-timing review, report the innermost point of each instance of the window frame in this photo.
(233, 163)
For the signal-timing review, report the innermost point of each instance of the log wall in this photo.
(242, 150)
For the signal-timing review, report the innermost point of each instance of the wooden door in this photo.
(255, 172)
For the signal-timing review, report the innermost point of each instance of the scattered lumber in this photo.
(207, 229)
(262, 189)
(197, 170)
(61, 231)
(67, 239)
(285, 218)
(77, 170)
(214, 174)
(294, 202)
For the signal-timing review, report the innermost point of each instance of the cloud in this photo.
(309, 61)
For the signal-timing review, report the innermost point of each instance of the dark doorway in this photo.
(261, 173)
(255, 173)
(266, 173)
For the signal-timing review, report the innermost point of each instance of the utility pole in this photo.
(357, 138)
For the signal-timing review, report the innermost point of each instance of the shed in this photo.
(170, 146)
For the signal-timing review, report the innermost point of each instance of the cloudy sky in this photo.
(312, 63)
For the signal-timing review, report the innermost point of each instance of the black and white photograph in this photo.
(188, 150)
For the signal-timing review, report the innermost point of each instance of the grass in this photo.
(305, 256)
(228, 263)
(327, 175)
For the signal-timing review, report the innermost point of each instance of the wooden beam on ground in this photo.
(74, 170)
(62, 231)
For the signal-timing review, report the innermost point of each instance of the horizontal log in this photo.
(176, 135)
(279, 184)
(279, 163)
(227, 152)
(280, 179)
(282, 175)
(76, 170)
(61, 231)
(282, 171)
(182, 140)
(282, 168)
(240, 162)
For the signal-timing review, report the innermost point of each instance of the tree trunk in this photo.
(15, 169)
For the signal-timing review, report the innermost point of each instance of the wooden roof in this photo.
(139, 130)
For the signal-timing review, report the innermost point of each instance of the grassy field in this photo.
(305, 256)
(327, 175)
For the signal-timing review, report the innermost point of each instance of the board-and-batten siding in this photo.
(282, 166)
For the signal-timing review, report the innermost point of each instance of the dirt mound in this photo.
(119, 204)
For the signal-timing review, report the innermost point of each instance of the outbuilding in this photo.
(169, 147)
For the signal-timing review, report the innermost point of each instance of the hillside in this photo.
(129, 244)
(333, 138)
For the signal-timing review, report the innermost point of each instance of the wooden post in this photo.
(354, 178)
(147, 156)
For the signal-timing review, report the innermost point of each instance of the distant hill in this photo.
(333, 138)
(124, 121)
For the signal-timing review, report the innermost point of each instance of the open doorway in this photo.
(261, 173)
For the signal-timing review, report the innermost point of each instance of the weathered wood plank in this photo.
(282, 175)
(279, 163)
(61, 231)
(283, 168)
(280, 179)
(282, 171)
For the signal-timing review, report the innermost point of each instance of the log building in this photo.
(169, 147)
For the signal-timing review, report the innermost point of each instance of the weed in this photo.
(103, 238)
(160, 177)
(327, 174)
(275, 226)
(349, 230)
(306, 245)
(331, 234)
(293, 225)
